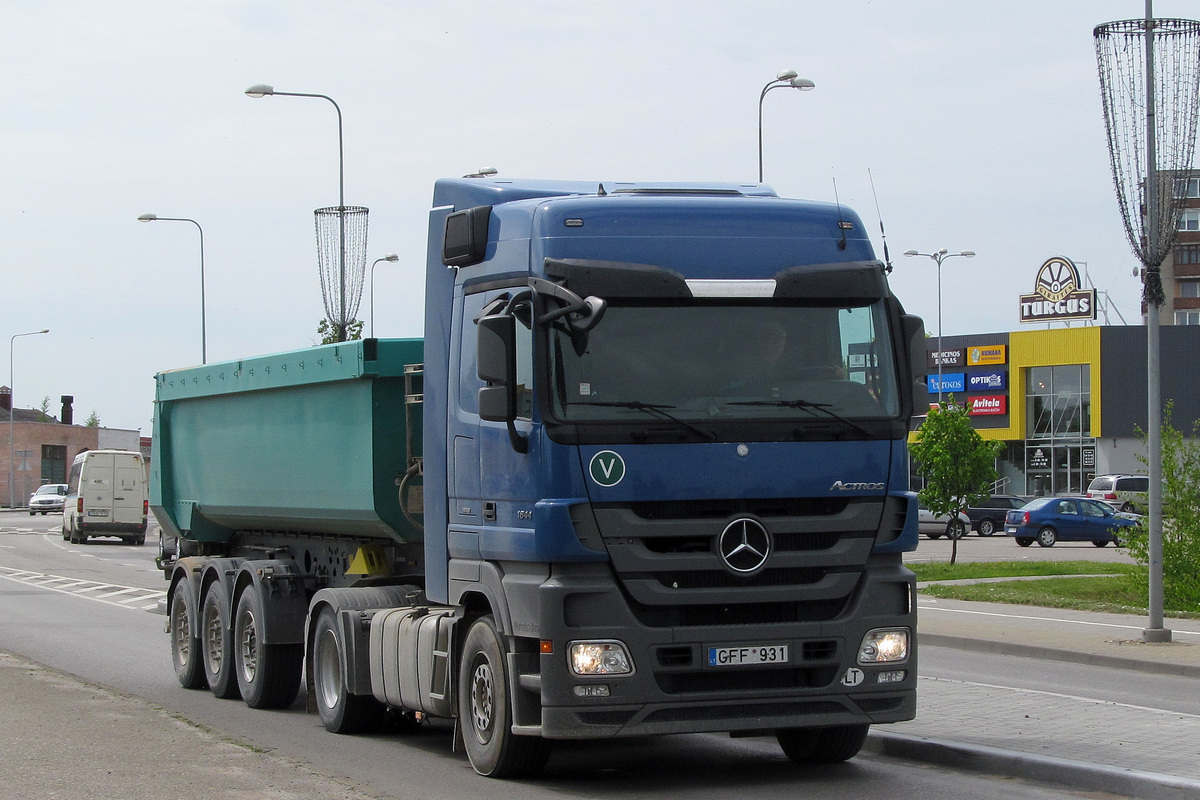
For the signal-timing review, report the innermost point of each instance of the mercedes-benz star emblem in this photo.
(744, 546)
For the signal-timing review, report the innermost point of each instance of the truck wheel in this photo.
(986, 527)
(822, 745)
(268, 675)
(341, 712)
(1047, 537)
(185, 643)
(485, 713)
(217, 638)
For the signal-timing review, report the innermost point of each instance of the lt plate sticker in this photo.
(607, 468)
(853, 677)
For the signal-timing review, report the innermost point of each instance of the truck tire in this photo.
(185, 641)
(217, 638)
(341, 712)
(268, 675)
(485, 713)
(822, 745)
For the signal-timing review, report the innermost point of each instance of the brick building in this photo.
(42, 448)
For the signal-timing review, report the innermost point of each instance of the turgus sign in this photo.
(1058, 294)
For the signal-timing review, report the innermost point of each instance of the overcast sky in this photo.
(981, 125)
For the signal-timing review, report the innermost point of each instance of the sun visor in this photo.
(857, 281)
(609, 279)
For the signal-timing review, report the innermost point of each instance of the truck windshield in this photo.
(724, 361)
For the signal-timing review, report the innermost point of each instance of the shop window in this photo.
(1058, 402)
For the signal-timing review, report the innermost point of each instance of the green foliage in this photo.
(92, 421)
(331, 334)
(44, 408)
(1181, 517)
(958, 466)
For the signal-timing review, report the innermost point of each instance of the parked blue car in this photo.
(1047, 520)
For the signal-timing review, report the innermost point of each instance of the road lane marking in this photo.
(131, 597)
(1034, 618)
(1062, 696)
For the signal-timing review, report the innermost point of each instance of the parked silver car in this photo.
(935, 527)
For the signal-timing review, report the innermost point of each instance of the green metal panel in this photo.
(312, 440)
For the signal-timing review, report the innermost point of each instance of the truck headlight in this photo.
(884, 646)
(599, 658)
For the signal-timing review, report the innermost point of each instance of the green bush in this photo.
(1181, 517)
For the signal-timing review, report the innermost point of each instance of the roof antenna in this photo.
(601, 191)
(841, 227)
(887, 259)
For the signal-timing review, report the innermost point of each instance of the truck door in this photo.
(486, 462)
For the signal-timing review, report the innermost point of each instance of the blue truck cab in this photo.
(675, 475)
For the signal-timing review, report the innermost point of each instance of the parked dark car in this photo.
(1047, 520)
(988, 517)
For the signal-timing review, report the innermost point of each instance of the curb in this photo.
(1057, 654)
(1078, 775)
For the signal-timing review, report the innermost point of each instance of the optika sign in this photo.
(1058, 295)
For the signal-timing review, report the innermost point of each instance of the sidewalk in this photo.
(1083, 743)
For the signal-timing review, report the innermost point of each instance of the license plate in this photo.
(97, 512)
(753, 654)
(1010, 530)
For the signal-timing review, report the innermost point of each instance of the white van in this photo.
(106, 496)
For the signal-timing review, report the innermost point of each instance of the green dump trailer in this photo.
(280, 443)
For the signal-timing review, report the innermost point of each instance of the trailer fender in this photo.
(279, 585)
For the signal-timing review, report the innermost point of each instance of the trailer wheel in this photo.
(217, 638)
(822, 745)
(185, 641)
(485, 713)
(268, 675)
(341, 712)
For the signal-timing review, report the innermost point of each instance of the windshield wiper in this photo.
(653, 409)
(808, 406)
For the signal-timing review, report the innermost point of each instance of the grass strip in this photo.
(1115, 595)
(941, 571)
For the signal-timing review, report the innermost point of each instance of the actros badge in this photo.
(607, 468)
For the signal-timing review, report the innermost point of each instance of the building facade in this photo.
(1067, 403)
(42, 448)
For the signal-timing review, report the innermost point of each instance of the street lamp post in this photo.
(263, 90)
(787, 78)
(389, 257)
(939, 257)
(203, 324)
(12, 413)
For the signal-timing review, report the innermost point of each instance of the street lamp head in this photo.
(391, 257)
(911, 253)
(485, 172)
(968, 253)
(260, 90)
(147, 218)
(786, 75)
(942, 252)
(803, 84)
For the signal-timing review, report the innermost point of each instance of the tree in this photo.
(45, 408)
(331, 334)
(92, 421)
(1181, 516)
(958, 466)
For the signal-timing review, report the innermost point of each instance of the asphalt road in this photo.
(999, 547)
(66, 607)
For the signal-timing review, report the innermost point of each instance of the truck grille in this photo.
(667, 558)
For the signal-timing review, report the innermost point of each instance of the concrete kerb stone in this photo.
(1077, 775)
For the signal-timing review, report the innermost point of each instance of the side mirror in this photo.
(496, 364)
